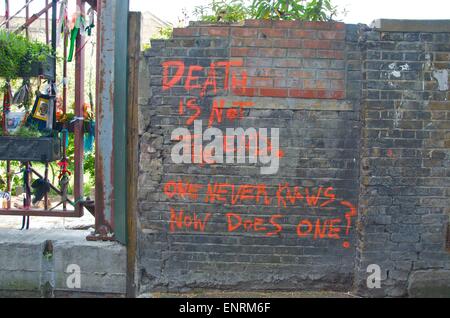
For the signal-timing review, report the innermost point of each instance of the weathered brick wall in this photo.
(362, 178)
(288, 75)
(404, 202)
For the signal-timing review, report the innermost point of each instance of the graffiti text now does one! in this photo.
(335, 227)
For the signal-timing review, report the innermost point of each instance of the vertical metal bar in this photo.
(103, 194)
(120, 122)
(47, 38)
(7, 13)
(27, 16)
(64, 100)
(53, 92)
(79, 113)
(54, 31)
(27, 202)
(110, 196)
(46, 179)
(8, 163)
(8, 181)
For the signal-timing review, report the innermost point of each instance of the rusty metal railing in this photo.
(78, 202)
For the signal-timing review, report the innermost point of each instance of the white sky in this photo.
(359, 11)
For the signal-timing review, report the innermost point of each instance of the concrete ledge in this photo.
(224, 294)
(389, 25)
(35, 263)
(429, 284)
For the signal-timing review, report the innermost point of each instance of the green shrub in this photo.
(304, 10)
(18, 54)
(163, 33)
(223, 11)
(239, 10)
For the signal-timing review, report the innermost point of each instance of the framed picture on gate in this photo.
(41, 108)
(43, 113)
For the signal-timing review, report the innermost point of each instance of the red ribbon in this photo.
(64, 164)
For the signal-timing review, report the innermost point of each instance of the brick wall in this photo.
(295, 81)
(362, 159)
(404, 203)
(284, 59)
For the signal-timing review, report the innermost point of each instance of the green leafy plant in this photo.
(87, 188)
(223, 11)
(16, 180)
(18, 54)
(304, 10)
(163, 33)
(28, 132)
(239, 10)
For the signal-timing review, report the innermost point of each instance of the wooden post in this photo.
(134, 50)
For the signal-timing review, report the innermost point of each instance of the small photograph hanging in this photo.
(14, 121)
(42, 108)
(42, 115)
